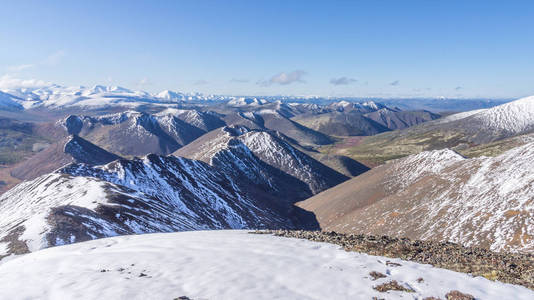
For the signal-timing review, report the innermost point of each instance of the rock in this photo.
(392, 264)
(377, 275)
(392, 286)
(457, 295)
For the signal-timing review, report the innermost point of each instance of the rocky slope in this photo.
(236, 148)
(341, 123)
(395, 119)
(439, 195)
(69, 150)
(133, 133)
(514, 268)
(271, 119)
(356, 119)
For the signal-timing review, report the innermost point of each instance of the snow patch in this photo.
(226, 265)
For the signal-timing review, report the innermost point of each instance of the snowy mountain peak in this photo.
(170, 95)
(371, 104)
(247, 102)
(514, 117)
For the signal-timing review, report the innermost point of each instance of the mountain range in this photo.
(86, 163)
(460, 132)
(237, 179)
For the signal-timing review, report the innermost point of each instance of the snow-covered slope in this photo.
(439, 195)
(226, 265)
(513, 118)
(458, 116)
(206, 121)
(151, 194)
(9, 102)
(237, 150)
(488, 125)
(251, 181)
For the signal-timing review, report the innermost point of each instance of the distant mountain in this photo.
(246, 102)
(356, 119)
(460, 132)
(351, 123)
(98, 96)
(439, 195)
(439, 105)
(133, 133)
(171, 96)
(273, 119)
(9, 102)
(361, 107)
(237, 150)
(69, 150)
(513, 118)
(394, 119)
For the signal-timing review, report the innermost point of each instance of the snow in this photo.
(46, 192)
(170, 95)
(9, 102)
(4, 248)
(371, 104)
(247, 102)
(515, 117)
(151, 194)
(54, 96)
(495, 195)
(415, 166)
(459, 116)
(225, 265)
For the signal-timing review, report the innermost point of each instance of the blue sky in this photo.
(328, 48)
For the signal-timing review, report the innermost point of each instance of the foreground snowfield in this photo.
(224, 265)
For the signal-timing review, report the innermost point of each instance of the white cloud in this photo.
(342, 81)
(9, 82)
(19, 68)
(284, 78)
